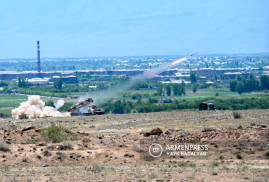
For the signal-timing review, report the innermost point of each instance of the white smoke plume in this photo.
(35, 108)
(112, 92)
(59, 104)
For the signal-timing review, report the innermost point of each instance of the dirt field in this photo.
(116, 147)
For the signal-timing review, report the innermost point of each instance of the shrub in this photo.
(237, 115)
(267, 155)
(186, 164)
(137, 148)
(4, 147)
(148, 157)
(65, 146)
(182, 164)
(97, 168)
(153, 176)
(49, 103)
(51, 147)
(192, 164)
(215, 163)
(238, 156)
(245, 168)
(32, 140)
(57, 133)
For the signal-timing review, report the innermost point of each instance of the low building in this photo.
(209, 82)
(232, 75)
(70, 79)
(39, 81)
(93, 86)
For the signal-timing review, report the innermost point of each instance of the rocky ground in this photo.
(116, 147)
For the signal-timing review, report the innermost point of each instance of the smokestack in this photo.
(38, 59)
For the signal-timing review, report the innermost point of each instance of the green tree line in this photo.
(121, 107)
(176, 89)
(250, 84)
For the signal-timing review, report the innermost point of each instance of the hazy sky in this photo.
(79, 28)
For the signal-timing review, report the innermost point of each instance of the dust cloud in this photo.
(34, 107)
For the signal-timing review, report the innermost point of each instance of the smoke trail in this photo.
(35, 107)
(59, 104)
(104, 96)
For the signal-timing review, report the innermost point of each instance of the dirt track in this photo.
(114, 148)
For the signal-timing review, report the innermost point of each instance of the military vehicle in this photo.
(91, 110)
(206, 106)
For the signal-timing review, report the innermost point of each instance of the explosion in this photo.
(35, 108)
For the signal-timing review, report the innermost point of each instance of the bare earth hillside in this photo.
(116, 147)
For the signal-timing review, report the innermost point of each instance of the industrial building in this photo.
(70, 79)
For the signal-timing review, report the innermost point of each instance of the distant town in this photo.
(206, 67)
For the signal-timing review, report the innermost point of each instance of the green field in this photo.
(222, 94)
(202, 94)
(6, 112)
(11, 100)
